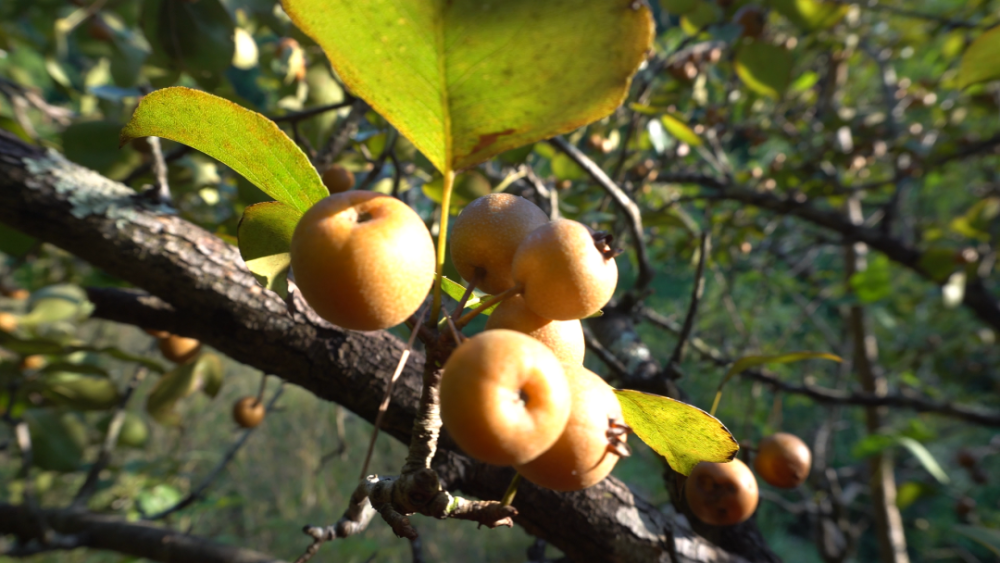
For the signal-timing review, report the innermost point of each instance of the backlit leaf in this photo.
(680, 130)
(764, 68)
(812, 14)
(57, 439)
(980, 62)
(179, 383)
(466, 79)
(683, 434)
(77, 391)
(246, 141)
(265, 238)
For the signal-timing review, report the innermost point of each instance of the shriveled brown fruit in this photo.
(363, 261)
(783, 460)
(566, 275)
(487, 234)
(564, 338)
(583, 455)
(504, 397)
(8, 322)
(178, 349)
(722, 494)
(338, 179)
(248, 412)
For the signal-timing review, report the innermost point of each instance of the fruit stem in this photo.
(464, 319)
(508, 497)
(449, 181)
(476, 278)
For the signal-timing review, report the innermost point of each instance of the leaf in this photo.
(57, 303)
(195, 37)
(71, 367)
(159, 498)
(988, 538)
(92, 144)
(939, 262)
(748, 362)
(979, 62)
(925, 458)
(28, 347)
(465, 80)
(134, 432)
(456, 290)
(466, 187)
(14, 243)
(680, 130)
(874, 282)
(183, 381)
(683, 434)
(764, 68)
(79, 392)
(211, 374)
(246, 141)
(811, 15)
(265, 238)
(57, 439)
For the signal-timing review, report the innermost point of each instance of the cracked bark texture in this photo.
(201, 288)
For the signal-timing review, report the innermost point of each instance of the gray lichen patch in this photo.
(87, 192)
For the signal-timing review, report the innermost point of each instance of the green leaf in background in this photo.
(246, 141)
(976, 222)
(678, 7)
(134, 432)
(71, 367)
(683, 434)
(14, 243)
(201, 374)
(79, 392)
(195, 37)
(764, 68)
(31, 346)
(93, 144)
(57, 439)
(55, 303)
(812, 15)
(456, 290)
(467, 187)
(265, 237)
(988, 538)
(747, 362)
(159, 498)
(680, 130)
(875, 443)
(703, 15)
(874, 282)
(452, 76)
(939, 262)
(980, 62)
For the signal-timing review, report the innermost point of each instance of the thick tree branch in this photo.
(214, 298)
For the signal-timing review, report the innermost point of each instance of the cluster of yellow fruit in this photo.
(724, 494)
(516, 394)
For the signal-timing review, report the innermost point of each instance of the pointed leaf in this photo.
(812, 14)
(246, 141)
(28, 347)
(80, 392)
(988, 538)
(57, 303)
(765, 69)
(980, 62)
(683, 434)
(210, 370)
(465, 80)
(170, 389)
(924, 457)
(680, 130)
(265, 237)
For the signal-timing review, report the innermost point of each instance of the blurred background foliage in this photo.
(818, 101)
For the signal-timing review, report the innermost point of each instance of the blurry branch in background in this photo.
(672, 368)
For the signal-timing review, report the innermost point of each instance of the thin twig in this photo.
(466, 318)
(696, 292)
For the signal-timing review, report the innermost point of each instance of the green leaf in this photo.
(265, 238)
(14, 243)
(466, 187)
(195, 37)
(72, 367)
(28, 347)
(180, 383)
(703, 15)
(134, 432)
(811, 14)
(456, 290)
(874, 282)
(57, 303)
(988, 538)
(465, 80)
(939, 262)
(683, 434)
(246, 141)
(764, 68)
(79, 392)
(748, 362)
(924, 457)
(211, 372)
(680, 130)
(57, 439)
(979, 62)
(976, 222)
(159, 498)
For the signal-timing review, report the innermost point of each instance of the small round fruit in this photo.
(32, 362)
(156, 333)
(564, 338)
(8, 322)
(248, 412)
(338, 179)
(178, 349)
(504, 397)
(487, 234)
(583, 454)
(721, 494)
(783, 460)
(566, 274)
(363, 261)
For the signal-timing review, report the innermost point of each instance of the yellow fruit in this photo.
(504, 397)
(783, 460)
(486, 235)
(566, 274)
(338, 179)
(8, 322)
(564, 338)
(178, 349)
(248, 412)
(722, 494)
(583, 454)
(363, 261)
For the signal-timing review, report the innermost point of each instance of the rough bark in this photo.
(202, 289)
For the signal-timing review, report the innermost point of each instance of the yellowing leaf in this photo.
(680, 130)
(468, 79)
(683, 434)
(246, 141)
(980, 62)
(764, 68)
